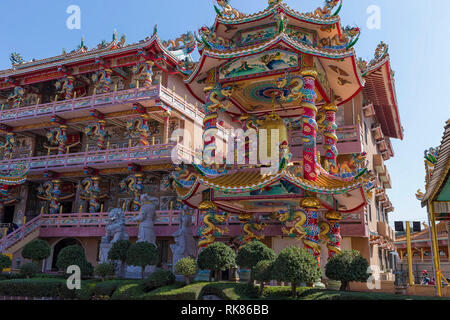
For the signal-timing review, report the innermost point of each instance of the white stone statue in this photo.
(115, 231)
(185, 245)
(147, 218)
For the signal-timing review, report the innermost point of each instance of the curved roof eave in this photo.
(280, 38)
(80, 56)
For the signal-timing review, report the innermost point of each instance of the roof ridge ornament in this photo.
(327, 10)
(227, 10)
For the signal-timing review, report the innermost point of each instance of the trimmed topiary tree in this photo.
(296, 265)
(36, 250)
(104, 269)
(142, 254)
(262, 272)
(74, 255)
(252, 253)
(29, 270)
(119, 252)
(346, 267)
(216, 257)
(187, 267)
(157, 279)
(5, 262)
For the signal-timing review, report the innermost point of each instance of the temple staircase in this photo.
(20, 237)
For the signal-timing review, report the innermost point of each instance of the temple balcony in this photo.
(349, 141)
(116, 101)
(99, 159)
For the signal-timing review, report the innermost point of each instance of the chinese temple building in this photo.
(437, 201)
(285, 134)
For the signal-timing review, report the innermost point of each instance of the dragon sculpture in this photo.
(430, 159)
(348, 39)
(252, 229)
(184, 42)
(297, 219)
(65, 88)
(211, 40)
(142, 74)
(330, 232)
(380, 52)
(16, 58)
(91, 191)
(327, 10)
(209, 230)
(273, 2)
(142, 129)
(96, 131)
(214, 103)
(102, 81)
(227, 10)
(291, 86)
(58, 137)
(16, 97)
(326, 120)
(353, 168)
(8, 146)
(50, 192)
(133, 185)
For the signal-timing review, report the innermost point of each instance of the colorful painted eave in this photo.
(387, 89)
(243, 182)
(247, 18)
(81, 55)
(280, 38)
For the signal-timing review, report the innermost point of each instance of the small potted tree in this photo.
(252, 253)
(186, 267)
(215, 258)
(295, 265)
(142, 254)
(346, 267)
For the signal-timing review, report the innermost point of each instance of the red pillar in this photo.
(330, 138)
(334, 235)
(311, 226)
(309, 125)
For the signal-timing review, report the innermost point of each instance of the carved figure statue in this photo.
(184, 238)
(146, 218)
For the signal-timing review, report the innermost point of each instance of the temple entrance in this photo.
(8, 214)
(61, 245)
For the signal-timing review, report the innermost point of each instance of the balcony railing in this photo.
(103, 157)
(99, 101)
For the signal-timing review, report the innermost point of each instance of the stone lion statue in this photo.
(115, 228)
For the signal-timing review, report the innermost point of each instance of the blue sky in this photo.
(416, 31)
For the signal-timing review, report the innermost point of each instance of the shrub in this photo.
(106, 288)
(31, 287)
(252, 253)
(119, 252)
(186, 267)
(263, 272)
(104, 269)
(158, 279)
(142, 254)
(29, 270)
(129, 290)
(216, 257)
(36, 250)
(295, 265)
(5, 262)
(347, 266)
(74, 255)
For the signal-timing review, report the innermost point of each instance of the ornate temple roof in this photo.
(380, 89)
(82, 55)
(438, 189)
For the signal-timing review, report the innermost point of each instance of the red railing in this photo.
(100, 101)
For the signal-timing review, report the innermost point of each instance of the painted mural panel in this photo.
(302, 35)
(322, 76)
(265, 62)
(253, 36)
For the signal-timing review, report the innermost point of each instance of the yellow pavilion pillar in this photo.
(435, 249)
